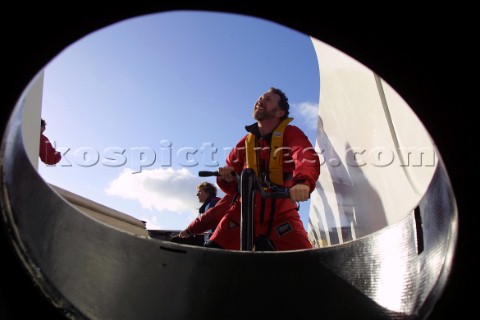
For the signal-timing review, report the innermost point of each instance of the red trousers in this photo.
(287, 233)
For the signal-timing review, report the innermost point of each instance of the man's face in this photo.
(202, 195)
(267, 107)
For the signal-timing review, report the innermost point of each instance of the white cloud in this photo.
(153, 223)
(158, 189)
(308, 111)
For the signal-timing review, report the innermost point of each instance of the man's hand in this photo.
(184, 234)
(226, 174)
(300, 192)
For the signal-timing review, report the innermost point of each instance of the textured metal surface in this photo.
(91, 270)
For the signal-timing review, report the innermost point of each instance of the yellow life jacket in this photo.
(275, 165)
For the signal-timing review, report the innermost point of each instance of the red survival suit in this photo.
(48, 154)
(211, 217)
(299, 164)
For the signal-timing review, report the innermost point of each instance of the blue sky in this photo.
(146, 103)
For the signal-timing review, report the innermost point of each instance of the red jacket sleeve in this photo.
(211, 217)
(48, 154)
(236, 159)
(307, 162)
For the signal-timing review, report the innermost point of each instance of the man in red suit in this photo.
(48, 154)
